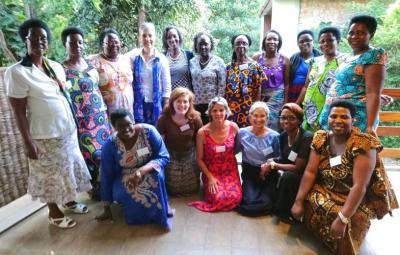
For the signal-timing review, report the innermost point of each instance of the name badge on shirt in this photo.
(68, 85)
(335, 161)
(243, 66)
(92, 73)
(292, 156)
(184, 127)
(267, 151)
(220, 148)
(142, 151)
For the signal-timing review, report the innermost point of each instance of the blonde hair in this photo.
(257, 105)
(218, 100)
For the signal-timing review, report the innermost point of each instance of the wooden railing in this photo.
(390, 117)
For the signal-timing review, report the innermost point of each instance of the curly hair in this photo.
(196, 38)
(71, 30)
(23, 30)
(165, 36)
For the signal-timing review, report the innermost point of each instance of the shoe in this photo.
(64, 222)
(78, 208)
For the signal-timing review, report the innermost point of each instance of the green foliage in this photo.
(228, 18)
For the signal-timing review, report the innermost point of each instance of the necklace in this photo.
(173, 59)
(204, 63)
(109, 59)
(288, 138)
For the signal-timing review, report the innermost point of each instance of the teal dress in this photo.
(350, 85)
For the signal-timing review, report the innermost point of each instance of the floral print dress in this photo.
(350, 85)
(221, 162)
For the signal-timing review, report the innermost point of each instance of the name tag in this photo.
(143, 151)
(292, 156)
(184, 127)
(335, 161)
(267, 151)
(93, 73)
(68, 85)
(243, 66)
(220, 148)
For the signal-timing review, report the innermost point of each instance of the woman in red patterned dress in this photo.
(216, 158)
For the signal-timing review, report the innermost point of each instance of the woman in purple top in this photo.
(276, 68)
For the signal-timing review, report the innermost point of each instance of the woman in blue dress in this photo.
(360, 78)
(132, 172)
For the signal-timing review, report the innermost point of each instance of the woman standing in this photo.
(244, 80)
(344, 185)
(258, 143)
(276, 67)
(208, 73)
(132, 172)
(216, 159)
(300, 62)
(37, 86)
(115, 72)
(178, 125)
(89, 108)
(360, 78)
(178, 58)
(152, 79)
(320, 78)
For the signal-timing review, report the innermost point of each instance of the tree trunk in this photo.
(29, 9)
(6, 50)
(141, 17)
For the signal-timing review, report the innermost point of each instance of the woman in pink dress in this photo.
(216, 158)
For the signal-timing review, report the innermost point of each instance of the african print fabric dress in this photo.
(321, 76)
(243, 85)
(221, 163)
(91, 114)
(148, 203)
(332, 187)
(273, 91)
(350, 85)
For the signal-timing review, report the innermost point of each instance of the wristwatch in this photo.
(272, 165)
(343, 218)
(138, 174)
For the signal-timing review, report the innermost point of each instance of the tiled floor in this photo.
(194, 232)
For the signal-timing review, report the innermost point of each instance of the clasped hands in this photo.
(266, 169)
(131, 181)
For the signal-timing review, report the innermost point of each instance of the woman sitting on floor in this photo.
(132, 172)
(295, 149)
(178, 125)
(345, 184)
(258, 143)
(216, 158)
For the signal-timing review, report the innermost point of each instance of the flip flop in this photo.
(78, 208)
(64, 222)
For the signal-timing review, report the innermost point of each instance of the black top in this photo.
(301, 146)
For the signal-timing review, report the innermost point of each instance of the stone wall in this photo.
(313, 12)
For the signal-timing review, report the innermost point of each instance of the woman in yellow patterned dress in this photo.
(344, 185)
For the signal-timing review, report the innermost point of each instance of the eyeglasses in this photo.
(112, 43)
(289, 118)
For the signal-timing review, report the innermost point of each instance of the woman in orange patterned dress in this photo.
(344, 185)
(243, 81)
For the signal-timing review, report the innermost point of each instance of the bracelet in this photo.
(138, 174)
(272, 165)
(343, 218)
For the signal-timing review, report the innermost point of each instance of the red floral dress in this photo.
(221, 162)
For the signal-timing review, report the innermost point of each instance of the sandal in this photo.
(78, 208)
(64, 222)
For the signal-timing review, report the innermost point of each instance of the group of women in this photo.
(174, 115)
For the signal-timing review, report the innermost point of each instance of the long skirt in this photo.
(60, 172)
(182, 175)
(258, 194)
(274, 97)
(321, 209)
